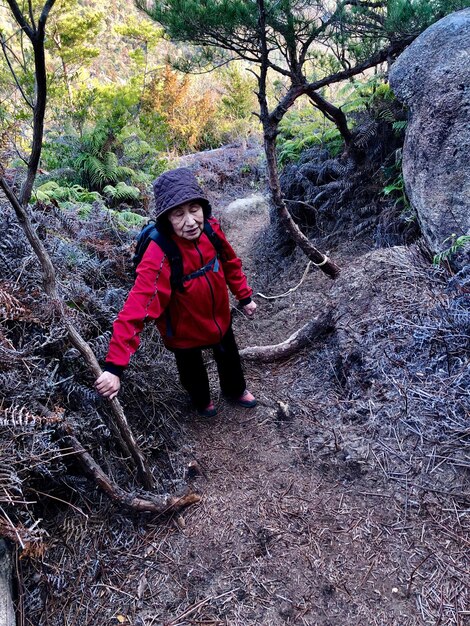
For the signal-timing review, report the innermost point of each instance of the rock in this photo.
(432, 77)
(239, 210)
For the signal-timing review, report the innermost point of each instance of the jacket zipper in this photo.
(212, 293)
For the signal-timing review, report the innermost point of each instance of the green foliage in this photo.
(92, 158)
(115, 106)
(239, 100)
(304, 129)
(361, 29)
(127, 219)
(72, 32)
(140, 31)
(100, 169)
(359, 94)
(406, 17)
(73, 193)
(122, 193)
(399, 126)
(395, 187)
(222, 16)
(457, 244)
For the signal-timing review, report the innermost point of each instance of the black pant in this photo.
(193, 374)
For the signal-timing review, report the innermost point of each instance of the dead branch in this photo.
(148, 503)
(50, 287)
(7, 613)
(302, 337)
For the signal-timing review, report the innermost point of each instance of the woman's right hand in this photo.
(108, 385)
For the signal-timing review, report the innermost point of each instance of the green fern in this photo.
(305, 129)
(399, 126)
(64, 193)
(84, 210)
(458, 244)
(126, 220)
(102, 170)
(122, 193)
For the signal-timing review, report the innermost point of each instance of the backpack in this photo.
(168, 246)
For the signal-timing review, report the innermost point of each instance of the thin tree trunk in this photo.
(270, 123)
(318, 258)
(38, 121)
(50, 287)
(334, 114)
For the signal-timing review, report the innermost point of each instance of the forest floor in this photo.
(320, 507)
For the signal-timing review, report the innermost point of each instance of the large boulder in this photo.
(432, 77)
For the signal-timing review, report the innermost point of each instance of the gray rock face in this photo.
(432, 77)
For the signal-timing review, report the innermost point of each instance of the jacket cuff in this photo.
(244, 301)
(117, 370)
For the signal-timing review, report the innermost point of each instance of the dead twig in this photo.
(195, 607)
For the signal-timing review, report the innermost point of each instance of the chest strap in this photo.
(212, 266)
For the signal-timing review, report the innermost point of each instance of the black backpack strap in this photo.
(173, 254)
(214, 238)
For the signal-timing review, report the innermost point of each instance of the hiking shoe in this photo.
(209, 411)
(247, 400)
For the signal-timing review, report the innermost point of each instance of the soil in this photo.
(320, 507)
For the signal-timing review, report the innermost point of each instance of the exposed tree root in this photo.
(310, 331)
(148, 503)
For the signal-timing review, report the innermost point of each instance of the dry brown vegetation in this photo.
(341, 499)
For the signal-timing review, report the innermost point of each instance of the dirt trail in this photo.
(291, 528)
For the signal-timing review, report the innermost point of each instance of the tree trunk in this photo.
(334, 114)
(318, 258)
(7, 612)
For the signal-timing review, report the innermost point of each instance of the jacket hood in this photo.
(176, 187)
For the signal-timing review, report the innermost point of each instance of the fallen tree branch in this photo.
(302, 337)
(128, 442)
(146, 503)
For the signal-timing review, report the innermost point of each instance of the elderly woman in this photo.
(194, 316)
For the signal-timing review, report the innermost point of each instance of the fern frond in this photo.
(458, 244)
(10, 307)
(364, 226)
(10, 484)
(387, 115)
(100, 344)
(21, 416)
(365, 133)
(122, 192)
(66, 221)
(399, 125)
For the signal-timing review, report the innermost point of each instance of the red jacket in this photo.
(197, 317)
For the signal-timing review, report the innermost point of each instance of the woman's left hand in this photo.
(249, 309)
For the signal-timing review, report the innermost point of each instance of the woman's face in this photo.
(187, 220)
